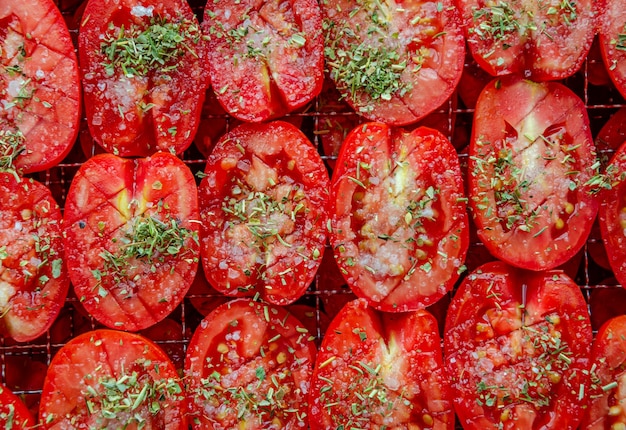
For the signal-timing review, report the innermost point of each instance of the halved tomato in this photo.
(531, 163)
(266, 58)
(612, 36)
(112, 379)
(612, 214)
(537, 39)
(13, 412)
(380, 370)
(394, 63)
(143, 74)
(33, 276)
(132, 243)
(39, 86)
(264, 210)
(398, 215)
(607, 409)
(516, 347)
(249, 366)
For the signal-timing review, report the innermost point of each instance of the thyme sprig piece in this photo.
(162, 44)
(12, 144)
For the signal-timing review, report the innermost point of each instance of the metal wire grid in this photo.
(22, 365)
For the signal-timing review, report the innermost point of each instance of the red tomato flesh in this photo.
(394, 63)
(13, 412)
(264, 210)
(380, 370)
(608, 376)
(112, 379)
(248, 366)
(33, 276)
(531, 162)
(39, 86)
(539, 40)
(266, 58)
(612, 36)
(612, 214)
(132, 237)
(143, 75)
(399, 218)
(516, 347)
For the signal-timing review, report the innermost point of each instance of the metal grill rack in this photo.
(22, 366)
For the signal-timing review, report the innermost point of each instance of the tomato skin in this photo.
(265, 58)
(39, 84)
(409, 74)
(114, 203)
(611, 26)
(611, 216)
(13, 412)
(398, 215)
(33, 275)
(537, 40)
(264, 209)
(411, 388)
(608, 358)
(87, 374)
(138, 114)
(494, 348)
(254, 349)
(530, 164)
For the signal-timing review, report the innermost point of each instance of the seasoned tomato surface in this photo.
(398, 215)
(516, 347)
(380, 370)
(266, 58)
(607, 408)
(612, 214)
(541, 40)
(14, 415)
(143, 74)
(39, 86)
(249, 366)
(264, 210)
(33, 276)
(531, 165)
(393, 62)
(107, 379)
(132, 237)
(612, 36)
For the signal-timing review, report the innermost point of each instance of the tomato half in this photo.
(394, 63)
(380, 370)
(13, 412)
(612, 37)
(39, 86)
(537, 39)
(531, 163)
(33, 276)
(132, 243)
(612, 215)
(248, 366)
(266, 58)
(398, 214)
(608, 375)
(142, 73)
(112, 379)
(264, 210)
(516, 347)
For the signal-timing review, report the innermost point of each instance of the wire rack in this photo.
(23, 365)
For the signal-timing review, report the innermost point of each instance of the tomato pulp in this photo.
(39, 86)
(398, 216)
(132, 237)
